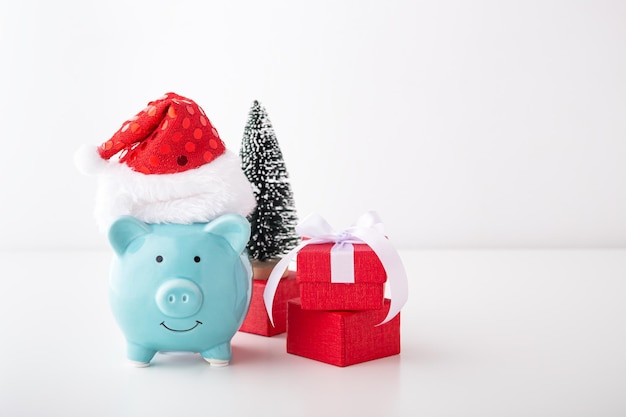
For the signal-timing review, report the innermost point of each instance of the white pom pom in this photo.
(88, 160)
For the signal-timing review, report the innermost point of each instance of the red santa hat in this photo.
(166, 164)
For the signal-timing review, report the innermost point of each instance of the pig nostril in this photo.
(171, 298)
(184, 298)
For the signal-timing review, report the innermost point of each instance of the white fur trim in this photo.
(194, 196)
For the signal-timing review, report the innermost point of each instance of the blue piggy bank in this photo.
(177, 287)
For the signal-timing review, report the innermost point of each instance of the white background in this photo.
(465, 124)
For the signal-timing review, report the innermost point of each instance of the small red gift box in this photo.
(257, 321)
(360, 259)
(319, 289)
(341, 338)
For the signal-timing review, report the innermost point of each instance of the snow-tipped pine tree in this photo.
(274, 219)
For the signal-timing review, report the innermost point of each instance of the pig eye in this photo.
(196, 259)
(159, 259)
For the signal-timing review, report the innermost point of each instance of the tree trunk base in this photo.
(263, 269)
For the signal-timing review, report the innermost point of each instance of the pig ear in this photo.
(232, 227)
(124, 231)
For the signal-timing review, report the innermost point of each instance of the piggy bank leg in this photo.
(139, 356)
(218, 355)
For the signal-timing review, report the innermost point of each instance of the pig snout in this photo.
(179, 298)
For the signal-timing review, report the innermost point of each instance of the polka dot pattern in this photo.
(172, 134)
(154, 160)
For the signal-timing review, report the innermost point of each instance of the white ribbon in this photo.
(369, 230)
(342, 263)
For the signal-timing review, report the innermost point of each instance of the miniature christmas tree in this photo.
(274, 219)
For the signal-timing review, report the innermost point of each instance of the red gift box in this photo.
(256, 320)
(341, 338)
(317, 292)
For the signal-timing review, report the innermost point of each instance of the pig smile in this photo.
(183, 330)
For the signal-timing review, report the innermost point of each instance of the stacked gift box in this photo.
(340, 314)
(337, 319)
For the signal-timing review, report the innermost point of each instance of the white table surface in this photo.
(485, 333)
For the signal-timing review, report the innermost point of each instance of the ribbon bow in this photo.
(369, 230)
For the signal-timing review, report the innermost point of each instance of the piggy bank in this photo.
(176, 287)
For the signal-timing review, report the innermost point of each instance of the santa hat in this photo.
(167, 164)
